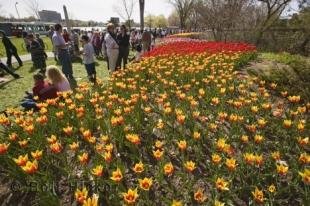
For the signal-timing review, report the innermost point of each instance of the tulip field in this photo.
(182, 127)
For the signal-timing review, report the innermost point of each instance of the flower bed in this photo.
(177, 46)
(182, 127)
(190, 35)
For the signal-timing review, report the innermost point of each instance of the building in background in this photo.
(115, 21)
(50, 16)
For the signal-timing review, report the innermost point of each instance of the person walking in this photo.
(88, 58)
(75, 41)
(63, 53)
(10, 50)
(5, 68)
(37, 54)
(123, 41)
(146, 41)
(112, 47)
(50, 35)
(95, 41)
(66, 36)
(41, 42)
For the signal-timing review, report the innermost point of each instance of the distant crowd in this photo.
(112, 45)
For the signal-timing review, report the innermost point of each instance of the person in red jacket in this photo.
(42, 90)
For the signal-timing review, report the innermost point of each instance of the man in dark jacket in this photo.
(10, 50)
(123, 42)
(5, 68)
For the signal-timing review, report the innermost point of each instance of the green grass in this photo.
(20, 45)
(290, 72)
(13, 91)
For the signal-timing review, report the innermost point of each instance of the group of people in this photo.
(113, 45)
(44, 89)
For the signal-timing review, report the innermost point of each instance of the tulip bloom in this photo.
(30, 167)
(81, 195)
(221, 184)
(97, 171)
(91, 201)
(168, 169)
(131, 196)
(4, 148)
(37, 154)
(21, 160)
(145, 183)
(190, 166)
(117, 175)
(138, 168)
(258, 196)
(199, 196)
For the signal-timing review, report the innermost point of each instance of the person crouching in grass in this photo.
(41, 91)
(88, 58)
(37, 54)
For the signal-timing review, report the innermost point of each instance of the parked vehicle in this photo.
(17, 28)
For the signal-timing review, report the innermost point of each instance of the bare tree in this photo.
(142, 7)
(173, 19)
(183, 8)
(220, 16)
(125, 11)
(150, 20)
(274, 9)
(33, 8)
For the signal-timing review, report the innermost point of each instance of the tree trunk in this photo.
(142, 6)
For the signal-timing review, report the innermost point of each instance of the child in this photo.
(58, 79)
(5, 68)
(138, 55)
(37, 54)
(88, 58)
(42, 90)
(41, 42)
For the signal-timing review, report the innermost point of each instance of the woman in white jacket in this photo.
(112, 47)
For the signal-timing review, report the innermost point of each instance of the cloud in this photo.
(98, 10)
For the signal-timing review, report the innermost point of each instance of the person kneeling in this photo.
(40, 92)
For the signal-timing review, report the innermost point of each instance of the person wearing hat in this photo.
(112, 47)
(10, 50)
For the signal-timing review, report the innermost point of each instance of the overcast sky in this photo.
(98, 10)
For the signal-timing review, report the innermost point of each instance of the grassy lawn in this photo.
(20, 45)
(291, 73)
(13, 91)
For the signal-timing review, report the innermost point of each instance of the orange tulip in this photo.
(145, 183)
(81, 195)
(131, 196)
(117, 175)
(30, 167)
(4, 148)
(199, 196)
(168, 169)
(37, 154)
(97, 171)
(158, 154)
(138, 168)
(190, 166)
(21, 160)
(258, 196)
(83, 158)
